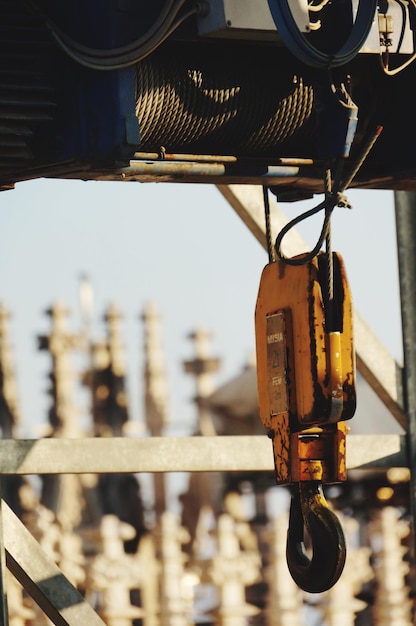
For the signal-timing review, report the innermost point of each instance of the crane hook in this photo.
(309, 509)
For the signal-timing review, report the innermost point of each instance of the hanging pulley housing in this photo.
(306, 367)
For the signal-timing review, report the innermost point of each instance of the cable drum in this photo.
(224, 107)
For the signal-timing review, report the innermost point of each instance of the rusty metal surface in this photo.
(405, 207)
(309, 377)
(299, 177)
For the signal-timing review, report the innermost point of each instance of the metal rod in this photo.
(405, 208)
(182, 169)
(42, 579)
(212, 158)
(197, 158)
(4, 613)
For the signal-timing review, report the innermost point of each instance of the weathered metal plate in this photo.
(276, 363)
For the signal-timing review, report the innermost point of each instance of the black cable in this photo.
(124, 61)
(294, 39)
(125, 56)
(270, 250)
(328, 204)
(332, 199)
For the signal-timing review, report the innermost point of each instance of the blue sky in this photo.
(179, 245)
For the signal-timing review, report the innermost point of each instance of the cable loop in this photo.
(334, 196)
(332, 199)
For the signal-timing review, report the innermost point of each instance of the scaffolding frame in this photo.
(394, 385)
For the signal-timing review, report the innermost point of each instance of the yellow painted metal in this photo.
(318, 456)
(305, 370)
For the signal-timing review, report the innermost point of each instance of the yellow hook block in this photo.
(305, 367)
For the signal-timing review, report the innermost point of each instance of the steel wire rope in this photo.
(224, 102)
(190, 123)
(277, 124)
(334, 196)
(203, 108)
(289, 120)
(330, 260)
(188, 105)
(328, 205)
(269, 242)
(184, 124)
(164, 98)
(145, 106)
(154, 101)
(300, 110)
(209, 122)
(298, 107)
(168, 103)
(264, 131)
(293, 119)
(293, 111)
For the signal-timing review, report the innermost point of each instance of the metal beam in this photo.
(374, 362)
(41, 578)
(4, 613)
(175, 454)
(405, 206)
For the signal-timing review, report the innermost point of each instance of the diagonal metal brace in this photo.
(41, 578)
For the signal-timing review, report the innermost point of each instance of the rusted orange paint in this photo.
(306, 376)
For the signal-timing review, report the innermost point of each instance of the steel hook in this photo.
(309, 509)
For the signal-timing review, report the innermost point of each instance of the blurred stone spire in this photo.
(60, 343)
(62, 494)
(86, 303)
(9, 410)
(156, 395)
(203, 366)
(116, 403)
(107, 378)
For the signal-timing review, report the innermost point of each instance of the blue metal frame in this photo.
(97, 120)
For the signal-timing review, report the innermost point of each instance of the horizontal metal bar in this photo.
(176, 454)
(184, 169)
(197, 158)
(215, 158)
